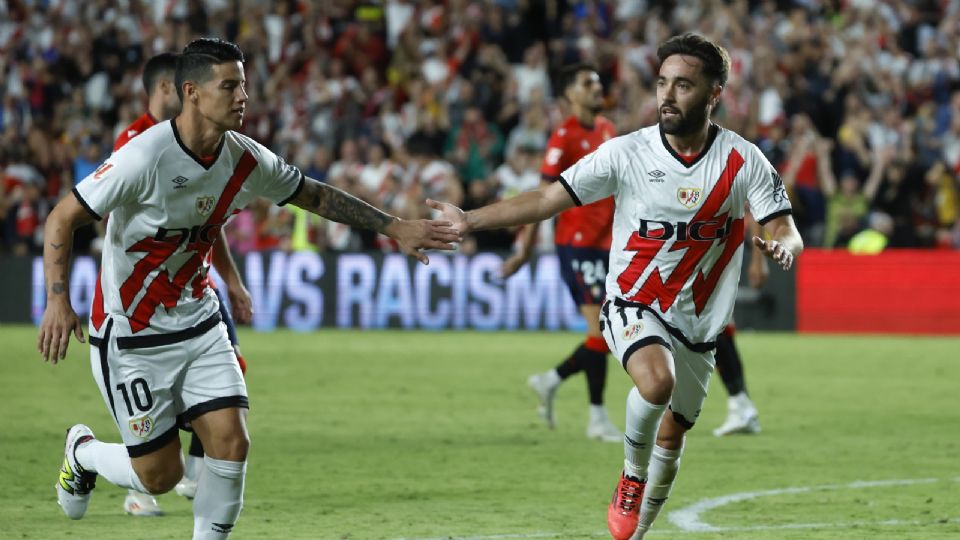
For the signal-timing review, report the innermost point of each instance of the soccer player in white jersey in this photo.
(160, 355)
(680, 188)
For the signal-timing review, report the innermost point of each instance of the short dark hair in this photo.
(198, 58)
(716, 61)
(163, 64)
(568, 74)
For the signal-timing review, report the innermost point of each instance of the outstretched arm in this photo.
(59, 319)
(528, 207)
(338, 205)
(528, 237)
(785, 243)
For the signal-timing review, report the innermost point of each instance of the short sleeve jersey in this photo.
(138, 126)
(679, 226)
(588, 225)
(166, 208)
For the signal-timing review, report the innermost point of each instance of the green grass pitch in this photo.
(366, 435)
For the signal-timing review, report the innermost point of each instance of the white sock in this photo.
(110, 461)
(219, 498)
(640, 435)
(741, 402)
(191, 466)
(664, 465)
(598, 413)
(553, 378)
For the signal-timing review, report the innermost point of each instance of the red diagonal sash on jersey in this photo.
(703, 286)
(163, 290)
(654, 288)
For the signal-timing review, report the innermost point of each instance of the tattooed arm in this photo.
(59, 319)
(338, 205)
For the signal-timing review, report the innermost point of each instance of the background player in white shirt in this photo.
(161, 357)
(680, 188)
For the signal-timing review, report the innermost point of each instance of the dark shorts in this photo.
(584, 270)
(227, 319)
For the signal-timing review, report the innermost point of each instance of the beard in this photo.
(685, 122)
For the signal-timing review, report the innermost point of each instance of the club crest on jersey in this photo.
(141, 427)
(632, 332)
(689, 197)
(205, 205)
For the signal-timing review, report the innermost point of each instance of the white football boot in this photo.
(601, 428)
(742, 417)
(141, 504)
(545, 386)
(75, 484)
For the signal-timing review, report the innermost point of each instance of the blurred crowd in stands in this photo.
(856, 102)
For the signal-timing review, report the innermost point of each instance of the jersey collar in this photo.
(711, 136)
(206, 164)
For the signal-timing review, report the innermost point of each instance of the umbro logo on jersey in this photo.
(656, 175)
(180, 182)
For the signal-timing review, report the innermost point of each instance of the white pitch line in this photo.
(673, 532)
(688, 518)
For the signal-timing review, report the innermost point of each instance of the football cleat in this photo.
(141, 504)
(186, 487)
(739, 421)
(75, 484)
(623, 514)
(602, 429)
(545, 391)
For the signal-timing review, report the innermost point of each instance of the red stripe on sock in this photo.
(596, 344)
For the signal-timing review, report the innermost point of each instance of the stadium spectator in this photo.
(323, 73)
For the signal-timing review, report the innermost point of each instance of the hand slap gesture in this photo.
(417, 235)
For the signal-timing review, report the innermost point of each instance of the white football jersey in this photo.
(166, 209)
(678, 229)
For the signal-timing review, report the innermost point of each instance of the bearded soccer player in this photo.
(681, 188)
(163, 103)
(582, 238)
(160, 354)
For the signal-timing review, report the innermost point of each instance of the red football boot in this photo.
(623, 515)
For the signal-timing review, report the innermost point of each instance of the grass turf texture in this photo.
(431, 435)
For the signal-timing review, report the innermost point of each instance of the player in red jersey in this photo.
(162, 100)
(681, 189)
(582, 238)
(160, 355)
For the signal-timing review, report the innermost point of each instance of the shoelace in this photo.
(630, 494)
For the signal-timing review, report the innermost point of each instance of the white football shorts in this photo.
(627, 327)
(155, 384)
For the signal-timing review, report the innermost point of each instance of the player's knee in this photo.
(160, 479)
(232, 446)
(654, 381)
